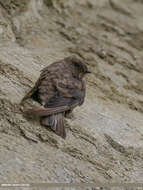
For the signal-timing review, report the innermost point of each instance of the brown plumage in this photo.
(59, 90)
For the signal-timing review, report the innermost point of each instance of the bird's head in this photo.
(79, 65)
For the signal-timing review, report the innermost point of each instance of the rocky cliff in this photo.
(105, 138)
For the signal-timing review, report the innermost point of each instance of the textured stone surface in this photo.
(105, 139)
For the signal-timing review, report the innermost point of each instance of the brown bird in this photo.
(59, 90)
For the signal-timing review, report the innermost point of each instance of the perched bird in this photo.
(59, 90)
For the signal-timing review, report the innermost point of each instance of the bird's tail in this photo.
(56, 122)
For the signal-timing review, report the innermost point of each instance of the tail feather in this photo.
(56, 123)
(60, 129)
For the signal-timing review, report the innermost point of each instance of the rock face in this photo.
(105, 139)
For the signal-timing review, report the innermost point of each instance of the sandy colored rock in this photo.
(105, 138)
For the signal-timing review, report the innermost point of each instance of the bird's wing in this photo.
(42, 111)
(68, 94)
(32, 91)
(69, 99)
(68, 86)
(72, 89)
(43, 86)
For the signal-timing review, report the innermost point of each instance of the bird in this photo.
(59, 89)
